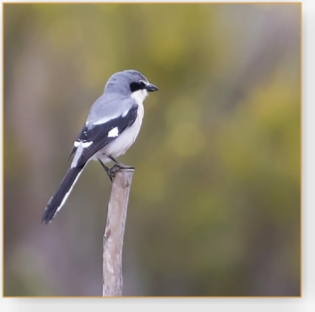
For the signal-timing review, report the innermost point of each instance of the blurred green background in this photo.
(215, 202)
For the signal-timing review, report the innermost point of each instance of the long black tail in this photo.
(59, 198)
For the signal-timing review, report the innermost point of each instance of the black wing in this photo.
(98, 134)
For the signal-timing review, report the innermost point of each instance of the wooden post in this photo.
(114, 233)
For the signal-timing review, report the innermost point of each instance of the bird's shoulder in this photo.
(109, 106)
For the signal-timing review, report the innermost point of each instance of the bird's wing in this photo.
(102, 131)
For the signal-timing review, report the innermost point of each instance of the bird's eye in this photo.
(135, 86)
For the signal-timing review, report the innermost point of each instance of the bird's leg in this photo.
(119, 164)
(107, 170)
(111, 172)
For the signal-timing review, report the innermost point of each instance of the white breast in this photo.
(139, 96)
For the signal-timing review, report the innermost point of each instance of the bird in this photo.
(112, 126)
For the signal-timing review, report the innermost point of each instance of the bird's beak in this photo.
(151, 87)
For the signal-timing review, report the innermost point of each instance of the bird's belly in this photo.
(120, 145)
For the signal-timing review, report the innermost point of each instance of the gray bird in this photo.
(112, 126)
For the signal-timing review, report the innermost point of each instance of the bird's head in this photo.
(130, 82)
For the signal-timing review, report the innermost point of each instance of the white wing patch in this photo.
(86, 144)
(113, 133)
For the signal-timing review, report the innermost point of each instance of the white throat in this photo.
(139, 96)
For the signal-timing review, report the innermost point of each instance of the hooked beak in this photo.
(151, 87)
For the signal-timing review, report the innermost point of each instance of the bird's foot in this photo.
(113, 170)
